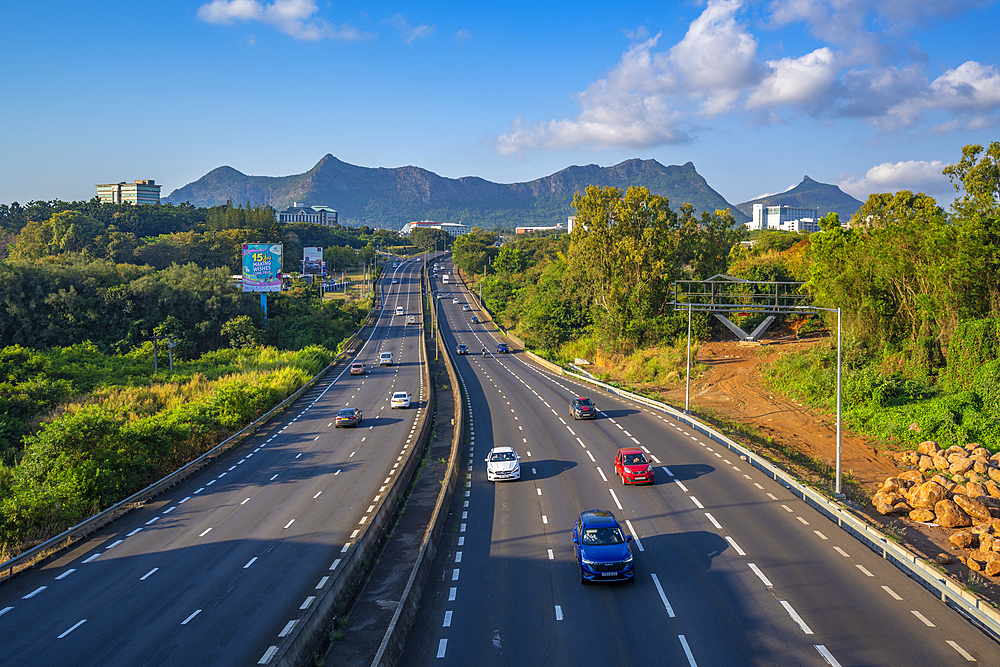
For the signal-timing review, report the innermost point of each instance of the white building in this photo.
(527, 230)
(784, 218)
(141, 192)
(454, 228)
(299, 212)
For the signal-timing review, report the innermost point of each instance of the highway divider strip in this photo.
(391, 648)
(88, 526)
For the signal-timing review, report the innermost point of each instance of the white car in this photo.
(454, 300)
(465, 307)
(503, 463)
(385, 359)
(394, 281)
(400, 399)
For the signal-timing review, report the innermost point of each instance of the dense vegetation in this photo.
(919, 289)
(85, 288)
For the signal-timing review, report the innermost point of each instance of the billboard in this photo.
(261, 267)
(312, 261)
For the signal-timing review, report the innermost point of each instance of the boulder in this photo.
(986, 542)
(922, 515)
(885, 509)
(960, 466)
(943, 558)
(963, 539)
(948, 514)
(927, 495)
(973, 564)
(941, 463)
(898, 457)
(978, 511)
(925, 463)
(943, 481)
(975, 490)
(959, 488)
(992, 488)
(995, 457)
(994, 474)
(989, 501)
(980, 451)
(992, 568)
(928, 447)
(956, 449)
(981, 467)
(912, 476)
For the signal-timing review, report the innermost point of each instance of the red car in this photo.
(633, 467)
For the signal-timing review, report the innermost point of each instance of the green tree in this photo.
(473, 250)
(429, 239)
(242, 333)
(510, 259)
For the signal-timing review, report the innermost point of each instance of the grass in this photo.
(976, 583)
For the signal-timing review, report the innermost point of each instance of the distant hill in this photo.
(389, 198)
(809, 194)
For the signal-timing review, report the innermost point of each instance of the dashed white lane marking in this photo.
(758, 486)
(663, 596)
(66, 573)
(802, 521)
(545, 519)
(821, 535)
(442, 647)
(772, 496)
(75, 626)
(188, 619)
(5, 610)
(695, 501)
(551, 555)
(635, 536)
(667, 470)
(892, 593)
(91, 558)
(454, 574)
(268, 654)
(452, 593)
(288, 627)
(250, 562)
(787, 508)
(616, 499)
(591, 457)
(826, 655)
(289, 524)
(34, 593)
(559, 614)
(735, 546)
(207, 530)
(681, 484)
(447, 619)
(795, 617)
(862, 568)
(923, 619)
(960, 650)
(602, 473)
(687, 651)
(760, 575)
(148, 574)
(714, 522)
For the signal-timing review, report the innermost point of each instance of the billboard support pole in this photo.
(263, 305)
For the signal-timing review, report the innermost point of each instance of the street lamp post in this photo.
(687, 385)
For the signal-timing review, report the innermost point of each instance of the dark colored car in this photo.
(502, 348)
(601, 546)
(347, 417)
(461, 349)
(475, 319)
(633, 467)
(582, 408)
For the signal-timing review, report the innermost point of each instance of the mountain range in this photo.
(809, 194)
(391, 197)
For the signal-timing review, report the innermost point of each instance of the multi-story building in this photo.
(454, 228)
(317, 215)
(141, 192)
(528, 230)
(784, 218)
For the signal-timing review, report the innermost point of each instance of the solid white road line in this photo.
(795, 617)
(663, 596)
(960, 650)
(826, 655)
(760, 575)
(687, 651)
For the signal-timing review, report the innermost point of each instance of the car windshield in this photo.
(346, 412)
(399, 395)
(600, 536)
(635, 460)
(502, 456)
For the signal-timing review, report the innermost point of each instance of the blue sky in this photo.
(872, 96)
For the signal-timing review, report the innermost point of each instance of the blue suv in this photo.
(601, 547)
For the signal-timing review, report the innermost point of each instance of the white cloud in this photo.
(292, 17)
(463, 35)
(408, 32)
(913, 175)
(802, 82)
(870, 69)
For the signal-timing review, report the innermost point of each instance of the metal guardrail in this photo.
(974, 607)
(88, 526)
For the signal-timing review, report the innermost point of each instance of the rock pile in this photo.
(957, 487)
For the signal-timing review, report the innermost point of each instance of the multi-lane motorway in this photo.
(731, 568)
(217, 570)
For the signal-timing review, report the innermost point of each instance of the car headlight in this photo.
(628, 559)
(588, 562)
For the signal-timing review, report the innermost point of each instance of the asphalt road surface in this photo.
(216, 570)
(731, 568)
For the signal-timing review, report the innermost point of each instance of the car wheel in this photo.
(623, 479)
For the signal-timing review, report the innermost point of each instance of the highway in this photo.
(216, 570)
(731, 568)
